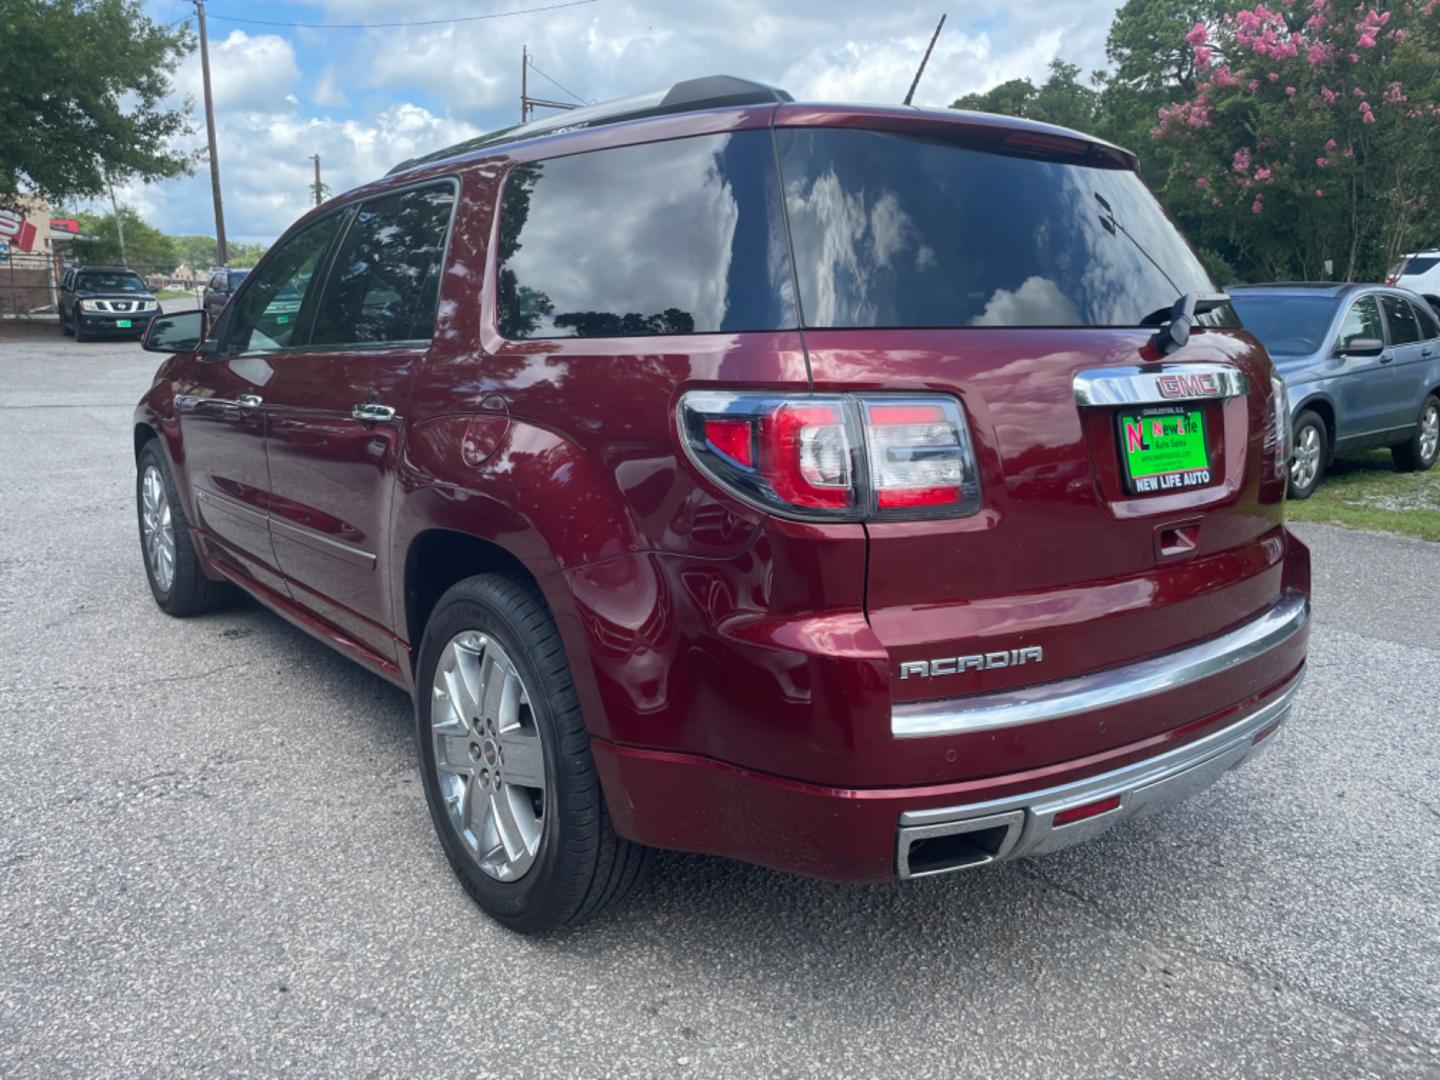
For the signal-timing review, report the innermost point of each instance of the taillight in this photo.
(836, 457)
(1277, 429)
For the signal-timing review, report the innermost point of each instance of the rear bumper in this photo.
(943, 839)
(695, 803)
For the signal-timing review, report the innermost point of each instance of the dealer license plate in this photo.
(124, 324)
(1164, 449)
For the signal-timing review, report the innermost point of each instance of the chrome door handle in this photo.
(249, 401)
(371, 413)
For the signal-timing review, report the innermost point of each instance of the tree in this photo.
(80, 99)
(1062, 99)
(1310, 134)
(146, 247)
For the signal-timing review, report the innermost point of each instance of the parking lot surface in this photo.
(216, 860)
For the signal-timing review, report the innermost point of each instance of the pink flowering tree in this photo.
(1305, 132)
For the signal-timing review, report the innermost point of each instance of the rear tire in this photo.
(1421, 450)
(565, 864)
(172, 565)
(1307, 465)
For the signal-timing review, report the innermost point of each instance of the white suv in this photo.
(1419, 273)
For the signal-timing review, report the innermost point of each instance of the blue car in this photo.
(1361, 366)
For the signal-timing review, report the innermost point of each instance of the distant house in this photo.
(187, 278)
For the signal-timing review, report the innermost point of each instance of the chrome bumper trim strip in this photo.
(1103, 689)
(1046, 802)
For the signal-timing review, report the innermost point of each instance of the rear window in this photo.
(903, 231)
(1421, 264)
(235, 277)
(1287, 325)
(677, 237)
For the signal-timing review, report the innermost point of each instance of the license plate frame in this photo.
(1170, 444)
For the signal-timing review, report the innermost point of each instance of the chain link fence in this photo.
(30, 283)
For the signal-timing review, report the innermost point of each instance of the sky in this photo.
(365, 99)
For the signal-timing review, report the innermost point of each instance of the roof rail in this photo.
(690, 95)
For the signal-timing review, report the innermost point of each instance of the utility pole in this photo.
(529, 104)
(222, 255)
(119, 224)
(319, 188)
(923, 60)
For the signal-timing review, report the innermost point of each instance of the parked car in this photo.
(109, 301)
(1361, 365)
(1420, 273)
(218, 289)
(844, 489)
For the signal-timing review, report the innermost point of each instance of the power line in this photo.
(394, 25)
(558, 83)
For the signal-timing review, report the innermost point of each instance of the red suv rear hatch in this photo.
(1131, 501)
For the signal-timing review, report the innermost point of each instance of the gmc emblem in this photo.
(1179, 386)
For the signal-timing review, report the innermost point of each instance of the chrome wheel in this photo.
(157, 532)
(1429, 433)
(1305, 465)
(489, 758)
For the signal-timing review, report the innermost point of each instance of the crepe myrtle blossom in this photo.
(1202, 57)
(1330, 144)
(1257, 206)
(1197, 35)
(1241, 161)
(1322, 162)
(1263, 174)
(1328, 94)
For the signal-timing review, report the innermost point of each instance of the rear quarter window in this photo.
(677, 237)
(895, 230)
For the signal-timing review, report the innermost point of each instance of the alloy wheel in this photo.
(1305, 465)
(489, 755)
(157, 531)
(1429, 432)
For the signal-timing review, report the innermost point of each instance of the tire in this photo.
(575, 865)
(187, 591)
(1312, 445)
(64, 330)
(1419, 452)
(78, 331)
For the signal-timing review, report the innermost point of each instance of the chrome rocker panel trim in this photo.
(1142, 386)
(1103, 689)
(1143, 787)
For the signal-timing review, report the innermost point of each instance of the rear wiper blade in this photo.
(1175, 322)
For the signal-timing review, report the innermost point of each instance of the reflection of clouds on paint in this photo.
(1037, 302)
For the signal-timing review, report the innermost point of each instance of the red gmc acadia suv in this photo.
(864, 492)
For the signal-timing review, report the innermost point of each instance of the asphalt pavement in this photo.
(215, 859)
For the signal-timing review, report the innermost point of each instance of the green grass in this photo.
(1365, 492)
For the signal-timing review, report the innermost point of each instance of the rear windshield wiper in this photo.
(1175, 321)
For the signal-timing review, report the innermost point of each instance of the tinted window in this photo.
(1404, 326)
(385, 280)
(103, 281)
(1287, 325)
(1429, 325)
(235, 277)
(1361, 321)
(898, 230)
(1421, 264)
(673, 237)
(268, 310)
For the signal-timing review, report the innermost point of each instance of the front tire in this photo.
(172, 565)
(78, 331)
(1307, 464)
(1420, 452)
(506, 764)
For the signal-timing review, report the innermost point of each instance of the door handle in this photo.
(249, 401)
(1385, 358)
(371, 413)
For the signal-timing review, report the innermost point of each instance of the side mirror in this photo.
(181, 332)
(1361, 346)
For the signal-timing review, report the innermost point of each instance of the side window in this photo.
(269, 310)
(1429, 325)
(1404, 326)
(386, 279)
(1361, 321)
(677, 237)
